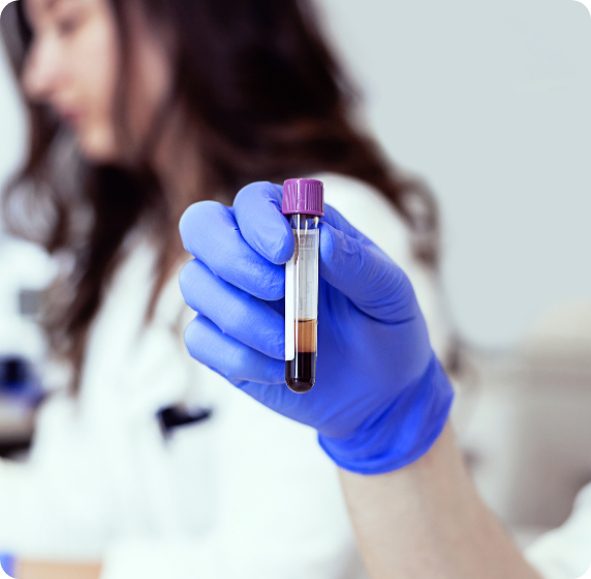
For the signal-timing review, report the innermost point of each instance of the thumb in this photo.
(360, 270)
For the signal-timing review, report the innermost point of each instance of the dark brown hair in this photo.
(264, 99)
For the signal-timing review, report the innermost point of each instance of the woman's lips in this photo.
(73, 118)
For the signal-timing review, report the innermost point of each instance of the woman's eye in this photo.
(68, 25)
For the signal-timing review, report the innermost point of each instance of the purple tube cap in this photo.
(305, 196)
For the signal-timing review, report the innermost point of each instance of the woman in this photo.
(137, 109)
(381, 401)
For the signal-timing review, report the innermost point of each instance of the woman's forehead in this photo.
(38, 8)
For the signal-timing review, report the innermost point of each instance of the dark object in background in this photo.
(14, 374)
(18, 379)
(20, 394)
(172, 417)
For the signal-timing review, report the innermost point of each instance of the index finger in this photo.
(210, 233)
(257, 210)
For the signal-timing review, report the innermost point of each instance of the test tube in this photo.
(303, 205)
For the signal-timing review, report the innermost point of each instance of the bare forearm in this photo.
(53, 570)
(427, 520)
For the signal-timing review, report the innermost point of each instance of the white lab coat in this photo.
(565, 553)
(245, 494)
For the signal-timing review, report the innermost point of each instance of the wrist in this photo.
(402, 432)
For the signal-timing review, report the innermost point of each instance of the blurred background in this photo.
(489, 102)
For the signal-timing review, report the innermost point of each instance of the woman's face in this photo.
(73, 66)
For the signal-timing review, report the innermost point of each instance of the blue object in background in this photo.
(8, 563)
(18, 380)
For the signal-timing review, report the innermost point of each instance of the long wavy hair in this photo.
(263, 98)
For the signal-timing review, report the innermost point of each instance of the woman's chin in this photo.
(97, 149)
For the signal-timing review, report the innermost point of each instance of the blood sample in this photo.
(303, 205)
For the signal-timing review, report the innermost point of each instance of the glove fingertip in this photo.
(257, 209)
(330, 263)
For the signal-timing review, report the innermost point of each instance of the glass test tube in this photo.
(303, 205)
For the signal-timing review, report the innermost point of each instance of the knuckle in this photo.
(275, 341)
(187, 220)
(188, 283)
(235, 363)
(185, 276)
(252, 189)
(192, 339)
(243, 194)
(271, 283)
(196, 219)
(327, 242)
(234, 318)
(281, 248)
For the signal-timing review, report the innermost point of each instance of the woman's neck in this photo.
(177, 159)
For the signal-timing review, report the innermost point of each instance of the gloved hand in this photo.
(381, 397)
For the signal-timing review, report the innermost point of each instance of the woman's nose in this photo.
(42, 73)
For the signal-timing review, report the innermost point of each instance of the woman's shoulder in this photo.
(352, 195)
(137, 274)
(368, 210)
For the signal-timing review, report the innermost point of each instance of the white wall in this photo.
(491, 102)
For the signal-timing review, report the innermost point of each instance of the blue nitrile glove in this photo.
(381, 397)
(8, 565)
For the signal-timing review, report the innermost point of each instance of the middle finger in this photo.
(210, 233)
(237, 313)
